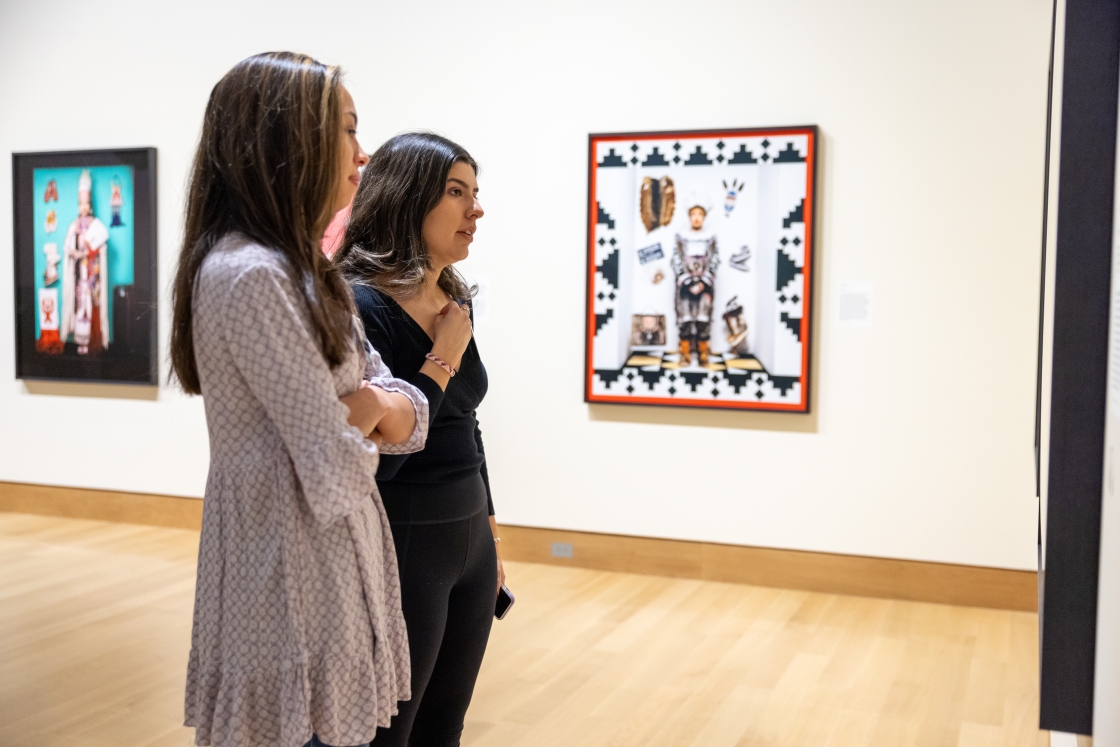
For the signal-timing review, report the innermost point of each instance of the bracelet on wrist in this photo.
(442, 364)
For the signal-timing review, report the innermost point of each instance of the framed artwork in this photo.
(85, 265)
(700, 268)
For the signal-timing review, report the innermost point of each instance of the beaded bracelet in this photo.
(442, 364)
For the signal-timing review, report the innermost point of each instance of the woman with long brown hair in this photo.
(414, 217)
(298, 633)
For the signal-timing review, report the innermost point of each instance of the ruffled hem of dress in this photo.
(247, 708)
(338, 476)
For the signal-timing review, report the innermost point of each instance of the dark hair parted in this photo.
(267, 166)
(384, 244)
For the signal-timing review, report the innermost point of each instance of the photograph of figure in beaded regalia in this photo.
(700, 249)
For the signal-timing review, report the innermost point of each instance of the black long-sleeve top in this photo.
(453, 452)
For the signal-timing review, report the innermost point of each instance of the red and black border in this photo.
(811, 131)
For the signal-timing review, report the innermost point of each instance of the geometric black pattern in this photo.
(608, 376)
(651, 377)
(789, 155)
(787, 269)
(612, 159)
(609, 268)
(655, 159)
(694, 378)
(794, 325)
(601, 319)
(743, 155)
(698, 158)
(797, 216)
(692, 382)
(784, 383)
(738, 379)
(605, 217)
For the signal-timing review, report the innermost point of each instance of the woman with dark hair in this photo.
(298, 633)
(413, 218)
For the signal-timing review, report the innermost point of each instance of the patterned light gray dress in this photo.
(297, 621)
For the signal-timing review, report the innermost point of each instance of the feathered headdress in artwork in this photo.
(697, 200)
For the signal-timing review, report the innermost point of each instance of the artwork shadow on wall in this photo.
(700, 249)
(85, 266)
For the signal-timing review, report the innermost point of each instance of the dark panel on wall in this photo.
(1081, 303)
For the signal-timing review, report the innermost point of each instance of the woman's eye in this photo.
(456, 192)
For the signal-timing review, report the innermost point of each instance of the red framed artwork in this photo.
(700, 268)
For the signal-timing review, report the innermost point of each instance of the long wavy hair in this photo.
(384, 243)
(267, 166)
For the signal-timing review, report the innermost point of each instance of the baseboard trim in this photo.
(943, 583)
(102, 505)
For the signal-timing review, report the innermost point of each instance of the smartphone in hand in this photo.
(505, 601)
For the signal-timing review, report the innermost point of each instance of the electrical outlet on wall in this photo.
(561, 549)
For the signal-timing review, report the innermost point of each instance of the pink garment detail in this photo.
(332, 239)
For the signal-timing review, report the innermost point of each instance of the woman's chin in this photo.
(345, 197)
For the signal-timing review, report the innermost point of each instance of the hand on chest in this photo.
(466, 389)
(424, 311)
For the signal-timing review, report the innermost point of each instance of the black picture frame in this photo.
(133, 356)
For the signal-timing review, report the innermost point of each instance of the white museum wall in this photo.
(932, 118)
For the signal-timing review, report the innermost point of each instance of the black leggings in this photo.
(449, 578)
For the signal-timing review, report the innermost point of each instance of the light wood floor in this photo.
(95, 626)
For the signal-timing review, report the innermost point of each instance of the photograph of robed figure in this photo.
(85, 245)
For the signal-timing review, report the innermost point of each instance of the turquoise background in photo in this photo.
(120, 252)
